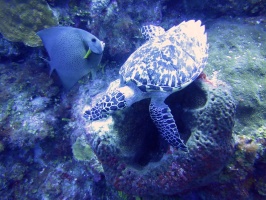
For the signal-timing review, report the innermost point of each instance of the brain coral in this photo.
(20, 20)
(136, 160)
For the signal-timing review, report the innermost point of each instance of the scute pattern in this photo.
(151, 31)
(169, 62)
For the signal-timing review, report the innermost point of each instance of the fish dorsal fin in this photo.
(50, 35)
(151, 31)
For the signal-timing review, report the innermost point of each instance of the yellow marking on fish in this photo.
(87, 54)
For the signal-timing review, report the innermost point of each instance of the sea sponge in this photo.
(136, 160)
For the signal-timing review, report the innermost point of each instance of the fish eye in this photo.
(93, 40)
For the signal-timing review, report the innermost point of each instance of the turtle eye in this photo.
(93, 40)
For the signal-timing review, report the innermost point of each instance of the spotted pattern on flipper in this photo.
(106, 105)
(165, 123)
(95, 113)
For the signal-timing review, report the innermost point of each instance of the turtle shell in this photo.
(168, 62)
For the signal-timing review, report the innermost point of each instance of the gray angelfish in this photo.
(73, 52)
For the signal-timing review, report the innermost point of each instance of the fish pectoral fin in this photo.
(87, 54)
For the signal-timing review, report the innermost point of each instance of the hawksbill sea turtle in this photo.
(168, 62)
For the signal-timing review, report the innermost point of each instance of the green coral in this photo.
(261, 187)
(19, 21)
(82, 150)
(261, 133)
(122, 195)
(2, 147)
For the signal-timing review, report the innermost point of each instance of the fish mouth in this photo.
(99, 49)
(102, 44)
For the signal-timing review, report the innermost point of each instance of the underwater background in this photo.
(47, 151)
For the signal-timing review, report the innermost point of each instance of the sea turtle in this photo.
(166, 63)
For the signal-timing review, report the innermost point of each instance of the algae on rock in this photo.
(237, 54)
(19, 21)
(82, 150)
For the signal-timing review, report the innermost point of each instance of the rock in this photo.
(239, 60)
(19, 21)
(133, 155)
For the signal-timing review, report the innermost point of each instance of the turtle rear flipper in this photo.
(165, 123)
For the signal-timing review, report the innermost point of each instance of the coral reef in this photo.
(83, 152)
(216, 8)
(21, 20)
(239, 59)
(38, 124)
(26, 99)
(53, 175)
(117, 22)
(120, 22)
(244, 176)
(16, 52)
(8, 50)
(207, 124)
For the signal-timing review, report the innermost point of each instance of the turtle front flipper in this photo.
(116, 98)
(164, 121)
(106, 105)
